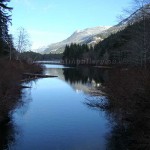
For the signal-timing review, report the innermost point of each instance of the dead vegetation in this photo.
(10, 85)
(127, 106)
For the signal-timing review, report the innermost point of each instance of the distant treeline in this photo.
(76, 51)
(130, 46)
(33, 56)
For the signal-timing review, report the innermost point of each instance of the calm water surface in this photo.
(54, 115)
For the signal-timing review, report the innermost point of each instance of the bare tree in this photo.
(22, 40)
(11, 46)
(139, 12)
(140, 4)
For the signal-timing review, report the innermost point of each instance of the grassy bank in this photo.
(10, 85)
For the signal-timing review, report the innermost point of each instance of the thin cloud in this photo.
(27, 4)
(48, 7)
(33, 5)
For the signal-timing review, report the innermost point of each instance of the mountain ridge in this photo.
(79, 37)
(92, 36)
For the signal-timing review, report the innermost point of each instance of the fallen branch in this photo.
(31, 76)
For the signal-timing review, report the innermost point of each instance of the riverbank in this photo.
(11, 73)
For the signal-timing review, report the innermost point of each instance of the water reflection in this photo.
(128, 109)
(53, 115)
(9, 131)
(7, 135)
(85, 74)
(57, 118)
(81, 78)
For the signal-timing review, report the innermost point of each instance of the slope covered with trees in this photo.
(128, 46)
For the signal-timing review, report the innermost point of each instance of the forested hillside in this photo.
(128, 46)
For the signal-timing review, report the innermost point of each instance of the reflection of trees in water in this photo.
(85, 74)
(7, 135)
(128, 108)
(8, 129)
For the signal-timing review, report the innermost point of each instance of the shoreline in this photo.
(11, 73)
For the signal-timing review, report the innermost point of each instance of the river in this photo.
(71, 111)
(54, 116)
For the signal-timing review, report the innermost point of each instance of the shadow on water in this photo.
(85, 74)
(8, 129)
(80, 78)
(127, 106)
(7, 134)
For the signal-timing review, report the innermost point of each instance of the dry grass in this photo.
(10, 88)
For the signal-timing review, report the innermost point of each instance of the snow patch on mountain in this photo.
(92, 36)
(79, 37)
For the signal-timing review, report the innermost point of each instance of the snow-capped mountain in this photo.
(92, 36)
(40, 49)
(80, 37)
(136, 16)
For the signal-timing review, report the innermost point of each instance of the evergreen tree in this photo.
(5, 19)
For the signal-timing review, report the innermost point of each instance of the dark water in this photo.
(54, 115)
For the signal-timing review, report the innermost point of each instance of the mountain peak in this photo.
(79, 37)
(77, 31)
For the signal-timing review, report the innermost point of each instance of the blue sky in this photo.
(50, 21)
